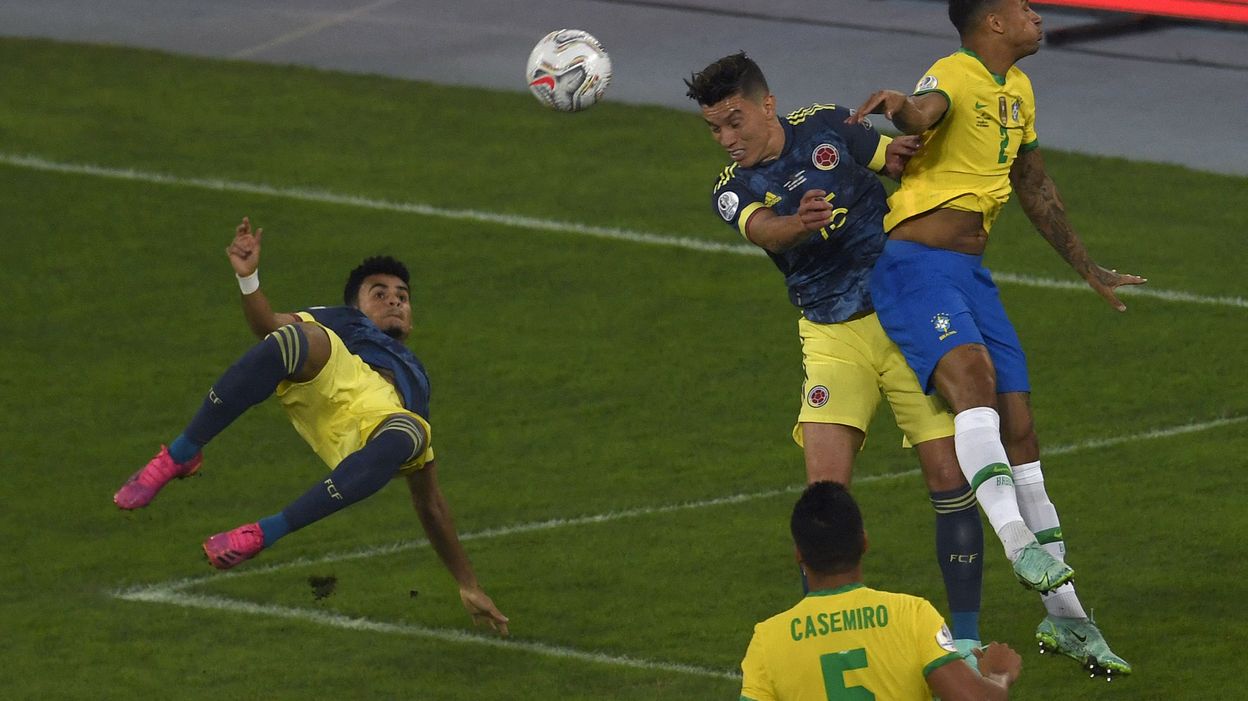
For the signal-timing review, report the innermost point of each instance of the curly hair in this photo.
(375, 265)
(726, 77)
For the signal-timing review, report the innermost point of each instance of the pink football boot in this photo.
(141, 488)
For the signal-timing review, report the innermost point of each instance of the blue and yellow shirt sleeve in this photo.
(733, 201)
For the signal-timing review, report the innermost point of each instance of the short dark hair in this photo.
(827, 528)
(375, 265)
(965, 13)
(729, 75)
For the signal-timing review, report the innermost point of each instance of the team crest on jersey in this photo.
(1018, 105)
(825, 157)
(945, 639)
(927, 83)
(727, 204)
(942, 323)
(817, 396)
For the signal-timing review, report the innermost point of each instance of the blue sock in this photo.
(965, 623)
(960, 551)
(182, 449)
(273, 527)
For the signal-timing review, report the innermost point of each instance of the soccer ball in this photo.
(568, 70)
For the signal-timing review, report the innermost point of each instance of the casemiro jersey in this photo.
(847, 643)
(362, 337)
(827, 272)
(967, 155)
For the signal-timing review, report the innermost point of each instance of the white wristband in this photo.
(249, 284)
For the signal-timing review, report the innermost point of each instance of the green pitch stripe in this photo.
(523, 222)
(994, 470)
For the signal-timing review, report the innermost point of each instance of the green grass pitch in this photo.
(573, 376)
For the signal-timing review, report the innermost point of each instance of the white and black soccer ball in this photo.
(568, 70)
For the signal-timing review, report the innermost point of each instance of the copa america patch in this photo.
(825, 157)
(927, 83)
(727, 204)
(817, 396)
(945, 639)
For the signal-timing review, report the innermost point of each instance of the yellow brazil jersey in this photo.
(852, 643)
(966, 156)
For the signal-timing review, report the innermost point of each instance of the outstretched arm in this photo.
(777, 233)
(435, 517)
(1043, 205)
(912, 114)
(244, 254)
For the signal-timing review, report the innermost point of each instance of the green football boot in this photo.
(1037, 569)
(1081, 640)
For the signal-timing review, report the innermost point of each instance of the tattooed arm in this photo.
(1040, 200)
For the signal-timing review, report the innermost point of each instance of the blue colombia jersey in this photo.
(827, 273)
(362, 337)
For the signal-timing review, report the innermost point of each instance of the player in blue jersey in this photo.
(804, 189)
(976, 112)
(355, 393)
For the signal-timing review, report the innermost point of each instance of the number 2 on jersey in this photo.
(834, 667)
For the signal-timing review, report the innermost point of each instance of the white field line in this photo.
(538, 224)
(335, 620)
(1145, 436)
(171, 592)
(311, 29)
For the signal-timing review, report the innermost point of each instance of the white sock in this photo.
(1041, 517)
(977, 440)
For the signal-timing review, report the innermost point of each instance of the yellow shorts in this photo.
(337, 411)
(849, 366)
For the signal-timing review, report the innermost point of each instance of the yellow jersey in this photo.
(847, 643)
(966, 156)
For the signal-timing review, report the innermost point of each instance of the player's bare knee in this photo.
(1018, 427)
(830, 450)
(966, 378)
(939, 462)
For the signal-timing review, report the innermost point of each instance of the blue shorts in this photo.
(931, 300)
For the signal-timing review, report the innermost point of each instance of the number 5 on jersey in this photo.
(834, 667)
